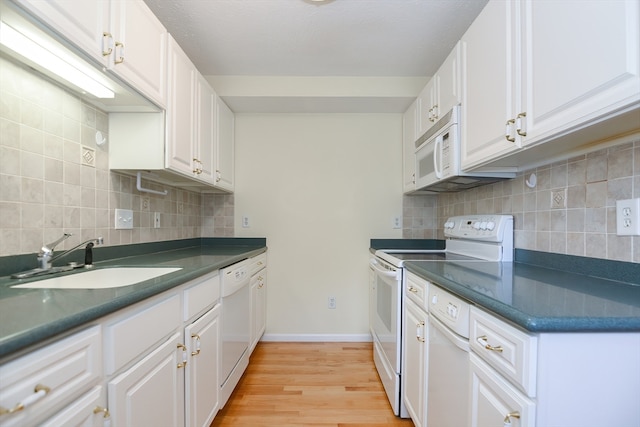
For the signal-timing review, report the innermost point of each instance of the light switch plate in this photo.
(124, 219)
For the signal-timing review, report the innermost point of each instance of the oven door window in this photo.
(385, 324)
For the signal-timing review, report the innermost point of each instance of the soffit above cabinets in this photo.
(342, 39)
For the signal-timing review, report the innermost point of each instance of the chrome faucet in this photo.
(94, 242)
(46, 258)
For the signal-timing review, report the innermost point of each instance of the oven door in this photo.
(385, 300)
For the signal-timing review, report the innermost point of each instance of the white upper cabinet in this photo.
(582, 63)
(441, 93)
(81, 21)
(224, 146)
(139, 52)
(409, 148)
(539, 70)
(490, 95)
(181, 111)
(125, 36)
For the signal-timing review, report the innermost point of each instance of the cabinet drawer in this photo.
(129, 335)
(200, 295)
(495, 401)
(257, 263)
(67, 368)
(505, 348)
(417, 290)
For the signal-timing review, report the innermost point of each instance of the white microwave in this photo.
(438, 159)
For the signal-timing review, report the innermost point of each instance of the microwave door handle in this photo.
(437, 162)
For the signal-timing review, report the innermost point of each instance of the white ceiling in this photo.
(403, 41)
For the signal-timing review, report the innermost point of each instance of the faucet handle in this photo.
(48, 249)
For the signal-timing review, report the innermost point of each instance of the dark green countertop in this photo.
(541, 299)
(34, 316)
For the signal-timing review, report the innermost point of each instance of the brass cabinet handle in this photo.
(197, 170)
(419, 326)
(100, 410)
(412, 289)
(483, 341)
(107, 37)
(507, 135)
(184, 356)
(507, 418)
(218, 176)
(120, 51)
(39, 392)
(197, 337)
(520, 128)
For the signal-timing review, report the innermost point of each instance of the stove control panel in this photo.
(491, 228)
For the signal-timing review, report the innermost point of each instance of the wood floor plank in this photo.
(309, 384)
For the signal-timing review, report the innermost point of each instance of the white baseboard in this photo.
(317, 337)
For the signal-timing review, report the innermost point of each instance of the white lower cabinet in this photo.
(414, 379)
(415, 339)
(41, 384)
(493, 399)
(87, 411)
(150, 393)
(201, 374)
(558, 379)
(258, 306)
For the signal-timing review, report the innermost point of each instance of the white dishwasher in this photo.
(448, 380)
(236, 327)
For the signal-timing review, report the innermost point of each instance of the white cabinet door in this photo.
(140, 48)
(495, 402)
(201, 387)
(414, 383)
(583, 62)
(82, 22)
(491, 96)
(87, 411)
(409, 148)
(181, 117)
(258, 306)
(450, 83)
(151, 392)
(427, 105)
(225, 146)
(205, 139)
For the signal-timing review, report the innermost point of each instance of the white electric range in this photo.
(469, 239)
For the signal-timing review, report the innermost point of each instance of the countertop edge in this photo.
(524, 320)
(14, 345)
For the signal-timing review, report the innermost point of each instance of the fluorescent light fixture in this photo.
(43, 57)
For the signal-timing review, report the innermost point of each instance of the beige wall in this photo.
(319, 187)
(586, 227)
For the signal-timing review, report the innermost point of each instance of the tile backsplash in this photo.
(586, 226)
(47, 135)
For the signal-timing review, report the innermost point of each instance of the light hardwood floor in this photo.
(309, 384)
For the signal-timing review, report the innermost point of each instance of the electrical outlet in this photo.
(396, 222)
(331, 302)
(559, 198)
(628, 217)
(144, 204)
(245, 222)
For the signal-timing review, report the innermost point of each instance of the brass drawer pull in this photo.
(483, 341)
(39, 392)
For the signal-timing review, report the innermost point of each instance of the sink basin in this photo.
(103, 278)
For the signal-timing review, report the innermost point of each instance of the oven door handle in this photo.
(374, 264)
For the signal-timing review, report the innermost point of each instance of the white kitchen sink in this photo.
(102, 278)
